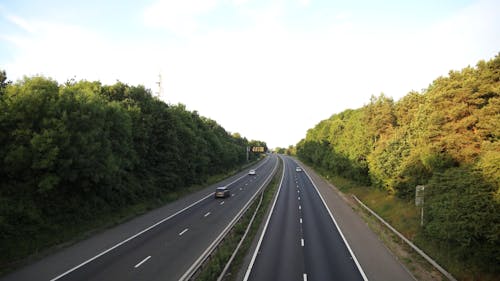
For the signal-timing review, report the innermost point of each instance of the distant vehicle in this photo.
(222, 192)
(298, 169)
(252, 172)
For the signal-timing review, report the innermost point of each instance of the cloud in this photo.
(240, 2)
(264, 78)
(20, 22)
(63, 51)
(304, 3)
(179, 17)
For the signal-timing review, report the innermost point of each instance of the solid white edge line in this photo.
(254, 256)
(143, 261)
(184, 231)
(340, 231)
(207, 214)
(184, 276)
(130, 238)
(145, 230)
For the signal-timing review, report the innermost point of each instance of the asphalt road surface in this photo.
(301, 240)
(161, 245)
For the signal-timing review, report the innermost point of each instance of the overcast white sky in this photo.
(269, 69)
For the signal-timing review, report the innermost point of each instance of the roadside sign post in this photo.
(419, 201)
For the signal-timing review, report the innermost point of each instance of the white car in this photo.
(298, 169)
(252, 173)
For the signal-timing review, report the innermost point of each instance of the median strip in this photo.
(211, 261)
(225, 262)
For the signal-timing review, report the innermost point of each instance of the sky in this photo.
(267, 69)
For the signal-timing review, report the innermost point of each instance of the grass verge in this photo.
(405, 217)
(402, 215)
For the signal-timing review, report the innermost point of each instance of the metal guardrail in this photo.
(197, 265)
(228, 264)
(418, 250)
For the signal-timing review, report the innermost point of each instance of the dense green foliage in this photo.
(73, 152)
(446, 138)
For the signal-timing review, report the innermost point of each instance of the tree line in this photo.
(446, 138)
(72, 152)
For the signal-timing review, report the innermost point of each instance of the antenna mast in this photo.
(160, 89)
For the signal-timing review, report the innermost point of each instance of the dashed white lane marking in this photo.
(241, 188)
(300, 220)
(302, 242)
(184, 231)
(298, 191)
(207, 214)
(143, 261)
(222, 203)
(305, 277)
(299, 198)
(232, 195)
(300, 207)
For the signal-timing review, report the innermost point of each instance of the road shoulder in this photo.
(377, 261)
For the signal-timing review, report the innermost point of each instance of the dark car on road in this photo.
(222, 192)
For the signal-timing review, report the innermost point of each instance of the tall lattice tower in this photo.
(159, 93)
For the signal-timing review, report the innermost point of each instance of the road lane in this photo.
(378, 263)
(168, 254)
(301, 241)
(280, 256)
(327, 256)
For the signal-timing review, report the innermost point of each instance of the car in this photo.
(222, 192)
(252, 172)
(298, 169)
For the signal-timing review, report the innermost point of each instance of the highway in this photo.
(300, 240)
(165, 246)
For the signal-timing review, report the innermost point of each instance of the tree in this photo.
(3, 82)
